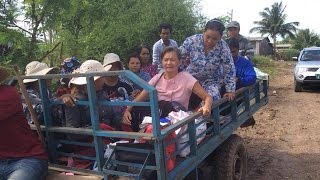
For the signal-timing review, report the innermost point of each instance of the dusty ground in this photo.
(285, 142)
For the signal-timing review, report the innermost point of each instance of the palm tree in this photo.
(273, 23)
(305, 38)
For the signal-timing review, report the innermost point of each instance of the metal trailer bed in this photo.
(252, 99)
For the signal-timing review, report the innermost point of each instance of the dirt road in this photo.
(285, 142)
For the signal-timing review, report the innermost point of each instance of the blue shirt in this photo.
(209, 69)
(143, 75)
(158, 47)
(244, 72)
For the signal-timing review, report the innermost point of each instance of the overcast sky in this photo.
(247, 11)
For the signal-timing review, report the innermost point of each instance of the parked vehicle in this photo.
(307, 68)
(221, 149)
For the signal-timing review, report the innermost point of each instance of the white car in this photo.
(307, 69)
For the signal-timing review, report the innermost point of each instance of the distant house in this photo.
(283, 46)
(261, 45)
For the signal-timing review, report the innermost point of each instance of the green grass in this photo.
(265, 64)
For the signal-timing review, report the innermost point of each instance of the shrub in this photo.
(265, 64)
(261, 60)
(287, 54)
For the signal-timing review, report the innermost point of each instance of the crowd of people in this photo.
(198, 69)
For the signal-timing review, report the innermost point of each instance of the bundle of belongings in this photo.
(170, 113)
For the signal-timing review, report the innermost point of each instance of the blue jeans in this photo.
(23, 169)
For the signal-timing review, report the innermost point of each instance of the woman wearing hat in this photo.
(210, 60)
(36, 68)
(78, 116)
(113, 83)
(22, 156)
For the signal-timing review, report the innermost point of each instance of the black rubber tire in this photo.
(229, 161)
(297, 86)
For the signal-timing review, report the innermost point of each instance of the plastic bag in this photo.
(261, 75)
(178, 116)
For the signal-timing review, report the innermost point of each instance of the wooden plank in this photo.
(77, 171)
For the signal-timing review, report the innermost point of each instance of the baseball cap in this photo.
(233, 24)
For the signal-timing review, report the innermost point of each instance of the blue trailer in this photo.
(221, 149)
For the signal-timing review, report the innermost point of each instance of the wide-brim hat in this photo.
(89, 66)
(4, 74)
(110, 58)
(36, 68)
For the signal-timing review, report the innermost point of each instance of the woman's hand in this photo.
(206, 111)
(135, 93)
(126, 118)
(68, 100)
(230, 95)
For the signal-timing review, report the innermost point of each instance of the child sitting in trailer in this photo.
(134, 65)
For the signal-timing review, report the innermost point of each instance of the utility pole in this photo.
(230, 14)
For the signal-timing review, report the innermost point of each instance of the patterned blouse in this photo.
(151, 69)
(212, 69)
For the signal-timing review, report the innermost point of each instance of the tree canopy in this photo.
(90, 29)
(305, 38)
(274, 23)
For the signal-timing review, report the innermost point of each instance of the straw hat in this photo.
(38, 68)
(4, 74)
(110, 58)
(89, 66)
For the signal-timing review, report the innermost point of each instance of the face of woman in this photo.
(211, 38)
(98, 83)
(171, 62)
(145, 56)
(134, 64)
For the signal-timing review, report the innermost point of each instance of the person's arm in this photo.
(199, 91)
(249, 76)
(69, 99)
(126, 119)
(10, 103)
(155, 55)
(184, 50)
(229, 72)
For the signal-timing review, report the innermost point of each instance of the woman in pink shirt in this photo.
(173, 85)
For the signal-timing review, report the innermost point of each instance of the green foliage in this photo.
(265, 64)
(18, 55)
(274, 23)
(287, 54)
(305, 38)
(120, 26)
(90, 29)
(261, 61)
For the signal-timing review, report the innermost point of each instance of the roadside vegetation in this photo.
(50, 31)
(265, 64)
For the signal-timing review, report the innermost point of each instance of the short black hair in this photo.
(233, 43)
(215, 24)
(133, 55)
(171, 49)
(139, 48)
(165, 26)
